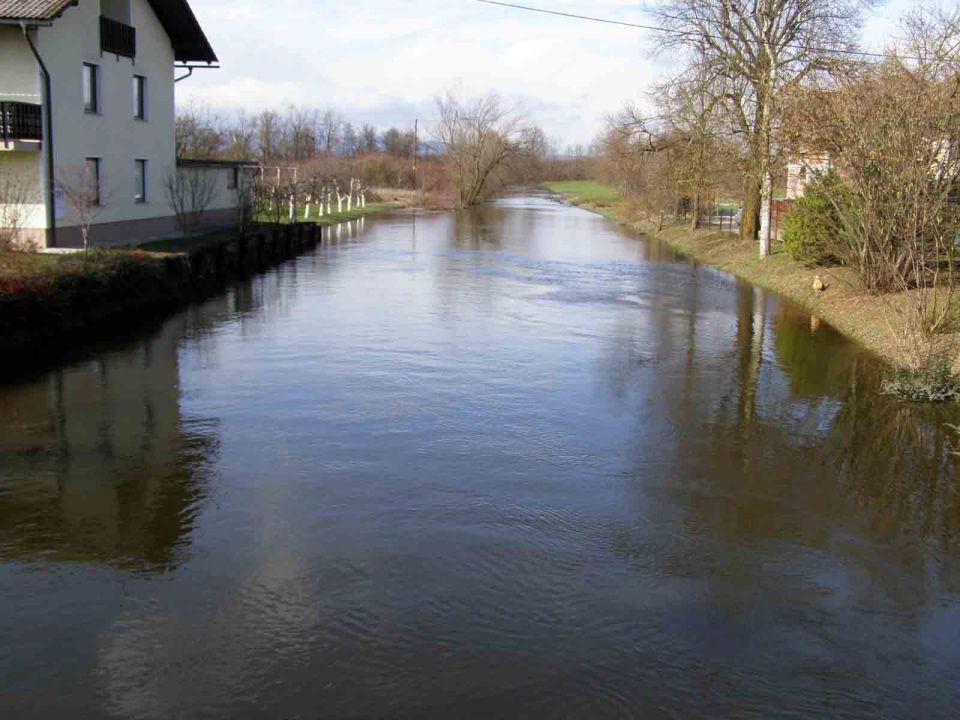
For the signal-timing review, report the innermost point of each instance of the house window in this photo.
(91, 88)
(140, 180)
(233, 179)
(139, 97)
(91, 170)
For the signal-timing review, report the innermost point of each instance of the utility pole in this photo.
(416, 149)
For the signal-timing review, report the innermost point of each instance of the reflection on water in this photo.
(98, 465)
(507, 462)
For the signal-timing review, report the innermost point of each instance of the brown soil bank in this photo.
(868, 319)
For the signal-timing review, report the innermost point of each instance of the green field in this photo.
(585, 192)
(337, 218)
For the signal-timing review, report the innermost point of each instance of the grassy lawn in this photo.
(23, 267)
(188, 244)
(868, 319)
(584, 192)
(337, 217)
(36, 270)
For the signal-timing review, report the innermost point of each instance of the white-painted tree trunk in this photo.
(766, 216)
(306, 210)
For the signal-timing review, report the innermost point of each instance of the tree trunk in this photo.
(750, 221)
(695, 222)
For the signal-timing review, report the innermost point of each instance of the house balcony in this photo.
(21, 126)
(117, 38)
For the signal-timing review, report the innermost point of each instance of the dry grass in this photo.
(23, 266)
(871, 320)
(412, 198)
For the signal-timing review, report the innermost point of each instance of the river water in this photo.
(505, 463)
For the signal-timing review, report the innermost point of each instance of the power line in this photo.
(606, 21)
(655, 28)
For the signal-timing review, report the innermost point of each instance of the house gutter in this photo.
(47, 140)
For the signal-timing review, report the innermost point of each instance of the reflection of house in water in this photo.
(97, 464)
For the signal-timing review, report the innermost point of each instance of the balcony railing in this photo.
(20, 121)
(117, 38)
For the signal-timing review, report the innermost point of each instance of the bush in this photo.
(812, 226)
(934, 383)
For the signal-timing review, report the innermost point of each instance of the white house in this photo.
(87, 99)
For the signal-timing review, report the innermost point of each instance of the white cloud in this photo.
(383, 61)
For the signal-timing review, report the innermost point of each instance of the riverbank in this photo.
(862, 317)
(191, 244)
(50, 302)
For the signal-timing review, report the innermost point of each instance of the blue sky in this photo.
(384, 61)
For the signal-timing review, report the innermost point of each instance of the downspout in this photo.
(47, 139)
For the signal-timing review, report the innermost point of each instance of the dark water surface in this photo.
(511, 463)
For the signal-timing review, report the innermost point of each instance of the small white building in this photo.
(87, 98)
(802, 169)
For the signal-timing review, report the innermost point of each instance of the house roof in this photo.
(33, 9)
(187, 37)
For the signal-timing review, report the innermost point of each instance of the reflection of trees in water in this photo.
(891, 457)
(98, 465)
(780, 450)
(479, 228)
(894, 458)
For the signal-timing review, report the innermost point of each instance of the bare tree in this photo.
(272, 199)
(301, 140)
(753, 52)
(190, 190)
(892, 131)
(270, 132)
(244, 194)
(86, 193)
(329, 131)
(367, 142)
(199, 133)
(478, 137)
(18, 195)
(240, 137)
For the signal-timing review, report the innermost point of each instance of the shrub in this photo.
(933, 383)
(812, 227)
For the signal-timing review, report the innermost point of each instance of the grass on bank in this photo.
(345, 216)
(23, 267)
(25, 272)
(584, 192)
(868, 319)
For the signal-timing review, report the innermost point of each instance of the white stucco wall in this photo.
(113, 135)
(225, 197)
(19, 79)
(20, 174)
(20, 82)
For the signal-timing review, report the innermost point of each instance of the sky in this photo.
(383, 62)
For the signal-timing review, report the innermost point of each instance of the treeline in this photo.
(495, 144)
(874, 140)
(292, 136)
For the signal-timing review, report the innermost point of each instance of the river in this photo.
(512, 462)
